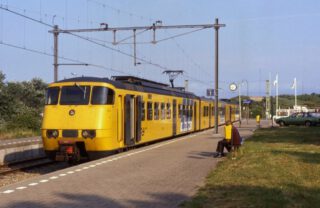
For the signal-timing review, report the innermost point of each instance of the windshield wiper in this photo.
(82, 90)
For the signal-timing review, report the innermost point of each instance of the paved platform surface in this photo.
(159, 175)
(6, 143)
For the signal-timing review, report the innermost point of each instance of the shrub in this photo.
(26, 118)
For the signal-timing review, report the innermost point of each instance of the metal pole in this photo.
(55, 52)
(114, 38)
(239, 85)
(295, 91)
(134, 47)
(277, 95)
(216, 27)
(186, 85)
(249, 99)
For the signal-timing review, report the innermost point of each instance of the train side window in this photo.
(168, 111)
(180, 110)
(150, 112)
(163, 111)
(143, 111)
(191, 111)
(188, 111)
(156, 111)
(205, 111)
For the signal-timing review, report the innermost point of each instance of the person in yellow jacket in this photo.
(226, 142)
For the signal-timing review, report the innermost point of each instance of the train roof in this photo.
(136, 84)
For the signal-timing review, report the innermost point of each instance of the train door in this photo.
(138, 119)
(129, 121)
(210, 115)
(200, 114)
(120, 118)
(174, 117)
(195, 116)
(132, 121)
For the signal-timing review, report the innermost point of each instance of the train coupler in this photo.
(68, 151)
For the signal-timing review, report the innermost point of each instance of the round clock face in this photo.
(233, 86)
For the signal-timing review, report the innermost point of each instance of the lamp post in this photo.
(240, 105)
(247, 109)
(240, 108)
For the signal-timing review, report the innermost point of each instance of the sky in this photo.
(262, 38)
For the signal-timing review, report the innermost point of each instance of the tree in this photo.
(21, 103)
(2, 78)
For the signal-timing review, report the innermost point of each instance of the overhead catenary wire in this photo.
(80, 62)
(87, 39)
(25, 16)
(189, 57)
(179, 35)
(129, 14)
(119, 51)
(61, 57)
(131, 36)
(103, 45)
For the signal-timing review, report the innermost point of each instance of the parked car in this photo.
(303, 118)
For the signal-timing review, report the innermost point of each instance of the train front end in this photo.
(78, 120)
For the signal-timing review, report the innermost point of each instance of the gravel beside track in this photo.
(26, 173)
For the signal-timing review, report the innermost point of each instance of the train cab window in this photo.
(75, 95)
(191, 111)
(52, 95)
(168, 111)
(102, 96)
(156, 111)
(163, 111)
(212, 111)
(143, 112)
(149, 111)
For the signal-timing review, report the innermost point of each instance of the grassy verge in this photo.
(278, 168)
(18, 133)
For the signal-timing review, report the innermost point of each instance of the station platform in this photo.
(5, 143)
(160, 175)
(15, 150)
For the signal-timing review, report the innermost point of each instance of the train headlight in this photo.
(88, 134)
(52, 133)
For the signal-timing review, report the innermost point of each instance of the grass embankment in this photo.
(18, 134)
(279, 167)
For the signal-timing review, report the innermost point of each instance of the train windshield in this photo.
(102, 96)
(75, 95)
(52, 96)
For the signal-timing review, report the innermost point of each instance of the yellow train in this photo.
(92, 117)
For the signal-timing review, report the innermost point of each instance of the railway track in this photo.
(21, 165)
(13, 173)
